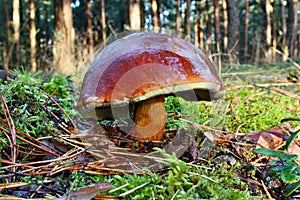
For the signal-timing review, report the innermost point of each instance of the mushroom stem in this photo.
(150, 119)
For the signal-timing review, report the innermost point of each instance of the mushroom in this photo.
(137, 71)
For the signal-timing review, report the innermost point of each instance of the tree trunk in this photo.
(208, 26)
(187, 30)
(274, 39)
(89, 26)
(285, 48)
(225, 11)
(246, 30)
(135, 14)
(258, 46)
(38, 36)
(292, 25)
(178, 16)
(97, 21)
(142, 12)
(269, 9)
(155, 13)
(127, 12)
(217, 24)
(6, 43)
(196, 30)
(32, 36)
(234, 25)
(16, 26)
(201, 25)
(45, 64)
(63, 38)
(103, 21)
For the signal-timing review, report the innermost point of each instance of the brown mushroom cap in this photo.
(144, 65)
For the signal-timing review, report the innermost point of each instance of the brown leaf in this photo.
(269, 140)
(87, 192)
(294, 149)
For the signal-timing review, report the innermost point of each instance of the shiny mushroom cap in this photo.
(143, 65)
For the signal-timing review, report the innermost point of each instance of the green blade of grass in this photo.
(290, 188)
(291, 139)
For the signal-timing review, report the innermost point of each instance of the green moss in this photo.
(29, 103)
(257, 109)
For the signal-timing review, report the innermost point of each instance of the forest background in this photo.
(58, 35)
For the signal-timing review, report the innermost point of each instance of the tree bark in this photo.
(274, 38)
(246, 30)
(178, 16)
(63, 38)
(201, 25)
(32, 36)
(6, 43)
(89, 26)
(217, 25)
(155, 13)
(187, 30)
(208, 26)
(285, 48)
(135, 14)
(269, 9)
(38, 36)
(234, 25)
(142, 12)
(225, 11)
(292, 25)
(45, 63)
(97, 21)
(196, 31)
(103, 21)
(16, 26)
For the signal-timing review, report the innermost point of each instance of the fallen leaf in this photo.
(269, 140)
(88, 192)
(295, 149)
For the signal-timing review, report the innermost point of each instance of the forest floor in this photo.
(46, 154)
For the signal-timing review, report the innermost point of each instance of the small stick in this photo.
(134, 189)
(266, 190)
(29, 137)
(118, 188)
(210, 179)
(69, 118)
(12, 129)
(296, 64)
(31, 143)
(173, 197)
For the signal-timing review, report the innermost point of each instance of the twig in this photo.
(29, 137)
(286, 93)
(210, 179)
(248, 180)
(275, 84)
(62, 125)
(173, 197)
(296, 64)
(266, 190)
(12, 185)
(199, 125)
(118, 188)
(12, 129)
(69, 118)
(134, 189)
(203, 176)
(31, 143)
(57, 104)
